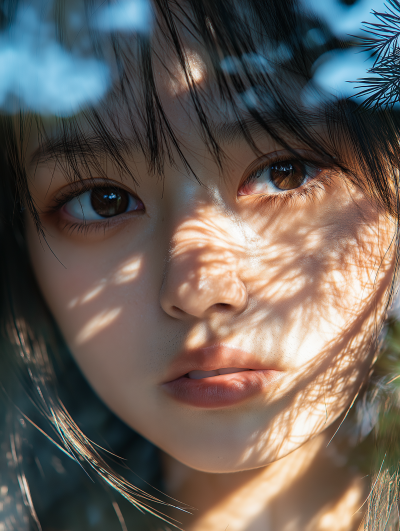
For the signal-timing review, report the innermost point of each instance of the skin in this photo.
(295, 282)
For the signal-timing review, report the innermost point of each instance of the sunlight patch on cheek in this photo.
(302, 343)
(355, 284)
(73, 303)
(308, 422)
(90, 295)
(312, 240)
(128, 272)
(94, 292)
(97, 324)
(287, 286)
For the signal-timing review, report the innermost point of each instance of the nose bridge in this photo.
(204, 230)
(203, 270)
(201, 252)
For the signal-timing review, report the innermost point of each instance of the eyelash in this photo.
(85, 228)
(81, 227)
(306, 191)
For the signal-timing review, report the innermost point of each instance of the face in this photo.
(227, 320)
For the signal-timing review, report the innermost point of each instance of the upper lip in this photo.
(212, 358)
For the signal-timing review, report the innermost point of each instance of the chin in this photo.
(216, 465)
(222, 459)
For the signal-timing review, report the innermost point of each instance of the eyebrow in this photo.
(78, 146)
(81, 146)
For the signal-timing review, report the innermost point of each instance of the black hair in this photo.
(260, 68)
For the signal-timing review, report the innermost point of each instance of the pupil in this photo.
(109, 201)
(287, 175)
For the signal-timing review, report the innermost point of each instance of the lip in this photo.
(219, 391)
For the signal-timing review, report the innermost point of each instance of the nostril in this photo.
(177, 310)
(200, 298)
(222, 306)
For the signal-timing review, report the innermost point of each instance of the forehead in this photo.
(178, 87)
(87, 142)
(177, 112)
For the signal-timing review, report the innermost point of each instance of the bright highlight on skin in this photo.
(125, 274)
(97, 324)
(128, 272)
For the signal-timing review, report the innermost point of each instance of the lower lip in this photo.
(220, 391)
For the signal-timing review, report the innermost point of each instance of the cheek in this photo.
(105, 302)
(318, 272)
(326, 296)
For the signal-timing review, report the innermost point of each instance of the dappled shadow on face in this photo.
(314, 280)
(124, 274)
(301, 287)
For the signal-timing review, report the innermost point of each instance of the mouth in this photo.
(198, 375)
(217, 377)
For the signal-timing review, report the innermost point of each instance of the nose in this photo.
(202, 275)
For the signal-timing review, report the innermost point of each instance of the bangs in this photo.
(257, 62)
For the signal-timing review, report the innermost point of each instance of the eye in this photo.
(279, 177)
(102, 202)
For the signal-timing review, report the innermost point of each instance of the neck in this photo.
(312, 489)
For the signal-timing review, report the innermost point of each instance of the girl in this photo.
(215, 242)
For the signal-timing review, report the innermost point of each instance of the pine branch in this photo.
(382, 88)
